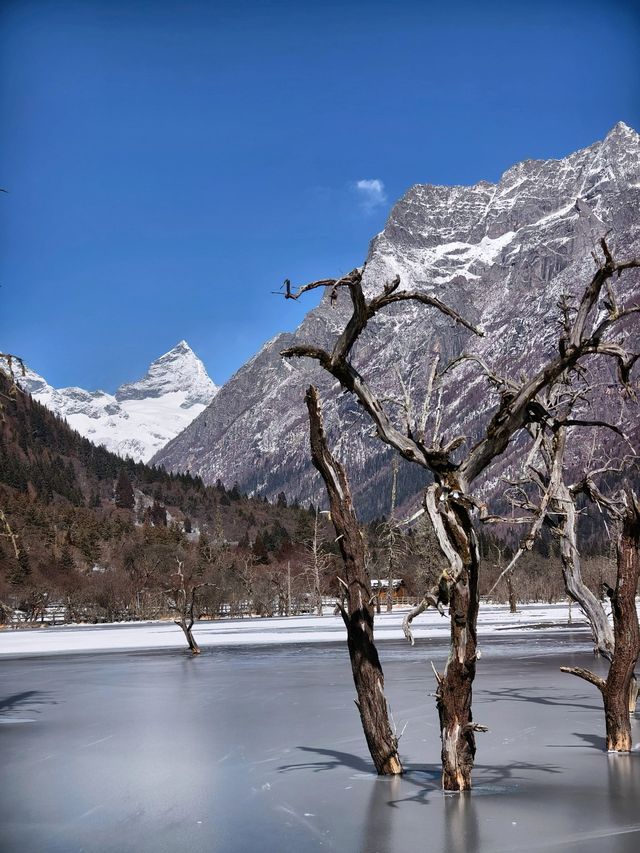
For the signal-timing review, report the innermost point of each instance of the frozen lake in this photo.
(259, 748)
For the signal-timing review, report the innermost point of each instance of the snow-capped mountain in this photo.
(141, 416)
(500, 254)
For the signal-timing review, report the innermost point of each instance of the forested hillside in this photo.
(103, 536)
(88, 536)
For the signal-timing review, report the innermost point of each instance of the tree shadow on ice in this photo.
(28, 700)
(335, 759)
(594, 741)
(487, 779)
(508, 694)
(426, 778)
(461, 831)
(600, 744)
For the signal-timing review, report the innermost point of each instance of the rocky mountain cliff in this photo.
(142, 416)
(500, 254)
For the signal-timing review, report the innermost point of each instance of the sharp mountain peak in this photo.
(141, 416)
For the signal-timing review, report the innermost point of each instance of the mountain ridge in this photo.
(500, 254)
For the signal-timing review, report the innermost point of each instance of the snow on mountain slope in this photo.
(500, 254)
(142, 416)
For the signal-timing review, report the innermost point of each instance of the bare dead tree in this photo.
(449, 501)
(615, 689)
(557, 507)
(356, 607)
(513, 600)
(6, 532)
(181, 593)
(317, 563)
(564, 499)
(392, 536)
(511, 592)
(246, 573)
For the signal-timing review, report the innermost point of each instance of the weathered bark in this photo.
(357, 606)
(617, 688)
(626, 631)
(563, 500)
(450, 515)
(186, 627)
(578, 591)
(453, 525)
(576, 588)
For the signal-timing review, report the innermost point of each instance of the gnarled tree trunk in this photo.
(453, 525)
(626, 631)
(181, 598)
(186, 626)
(357, 606)
(576, 588)
(591, 606)
(616, 687)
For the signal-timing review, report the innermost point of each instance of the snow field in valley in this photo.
(493, 619)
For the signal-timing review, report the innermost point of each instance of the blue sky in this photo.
(170, 163)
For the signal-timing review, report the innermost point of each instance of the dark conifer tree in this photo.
(20, 568)
(124, 496)
(157, 515)
(66, 563)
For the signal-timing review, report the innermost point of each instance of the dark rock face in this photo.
(500, 254)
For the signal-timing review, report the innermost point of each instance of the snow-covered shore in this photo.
(255, 631)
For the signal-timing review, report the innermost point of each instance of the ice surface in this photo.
(249, 748)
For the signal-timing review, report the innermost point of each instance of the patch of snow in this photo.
(67, 639)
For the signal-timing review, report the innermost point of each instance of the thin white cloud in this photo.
(371, 193)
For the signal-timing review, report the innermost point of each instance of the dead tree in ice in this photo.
(617, 686)
(557, 507)
(181, 592)
(449, 501)
(356, 606)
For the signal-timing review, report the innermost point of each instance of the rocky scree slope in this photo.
(500, 254)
